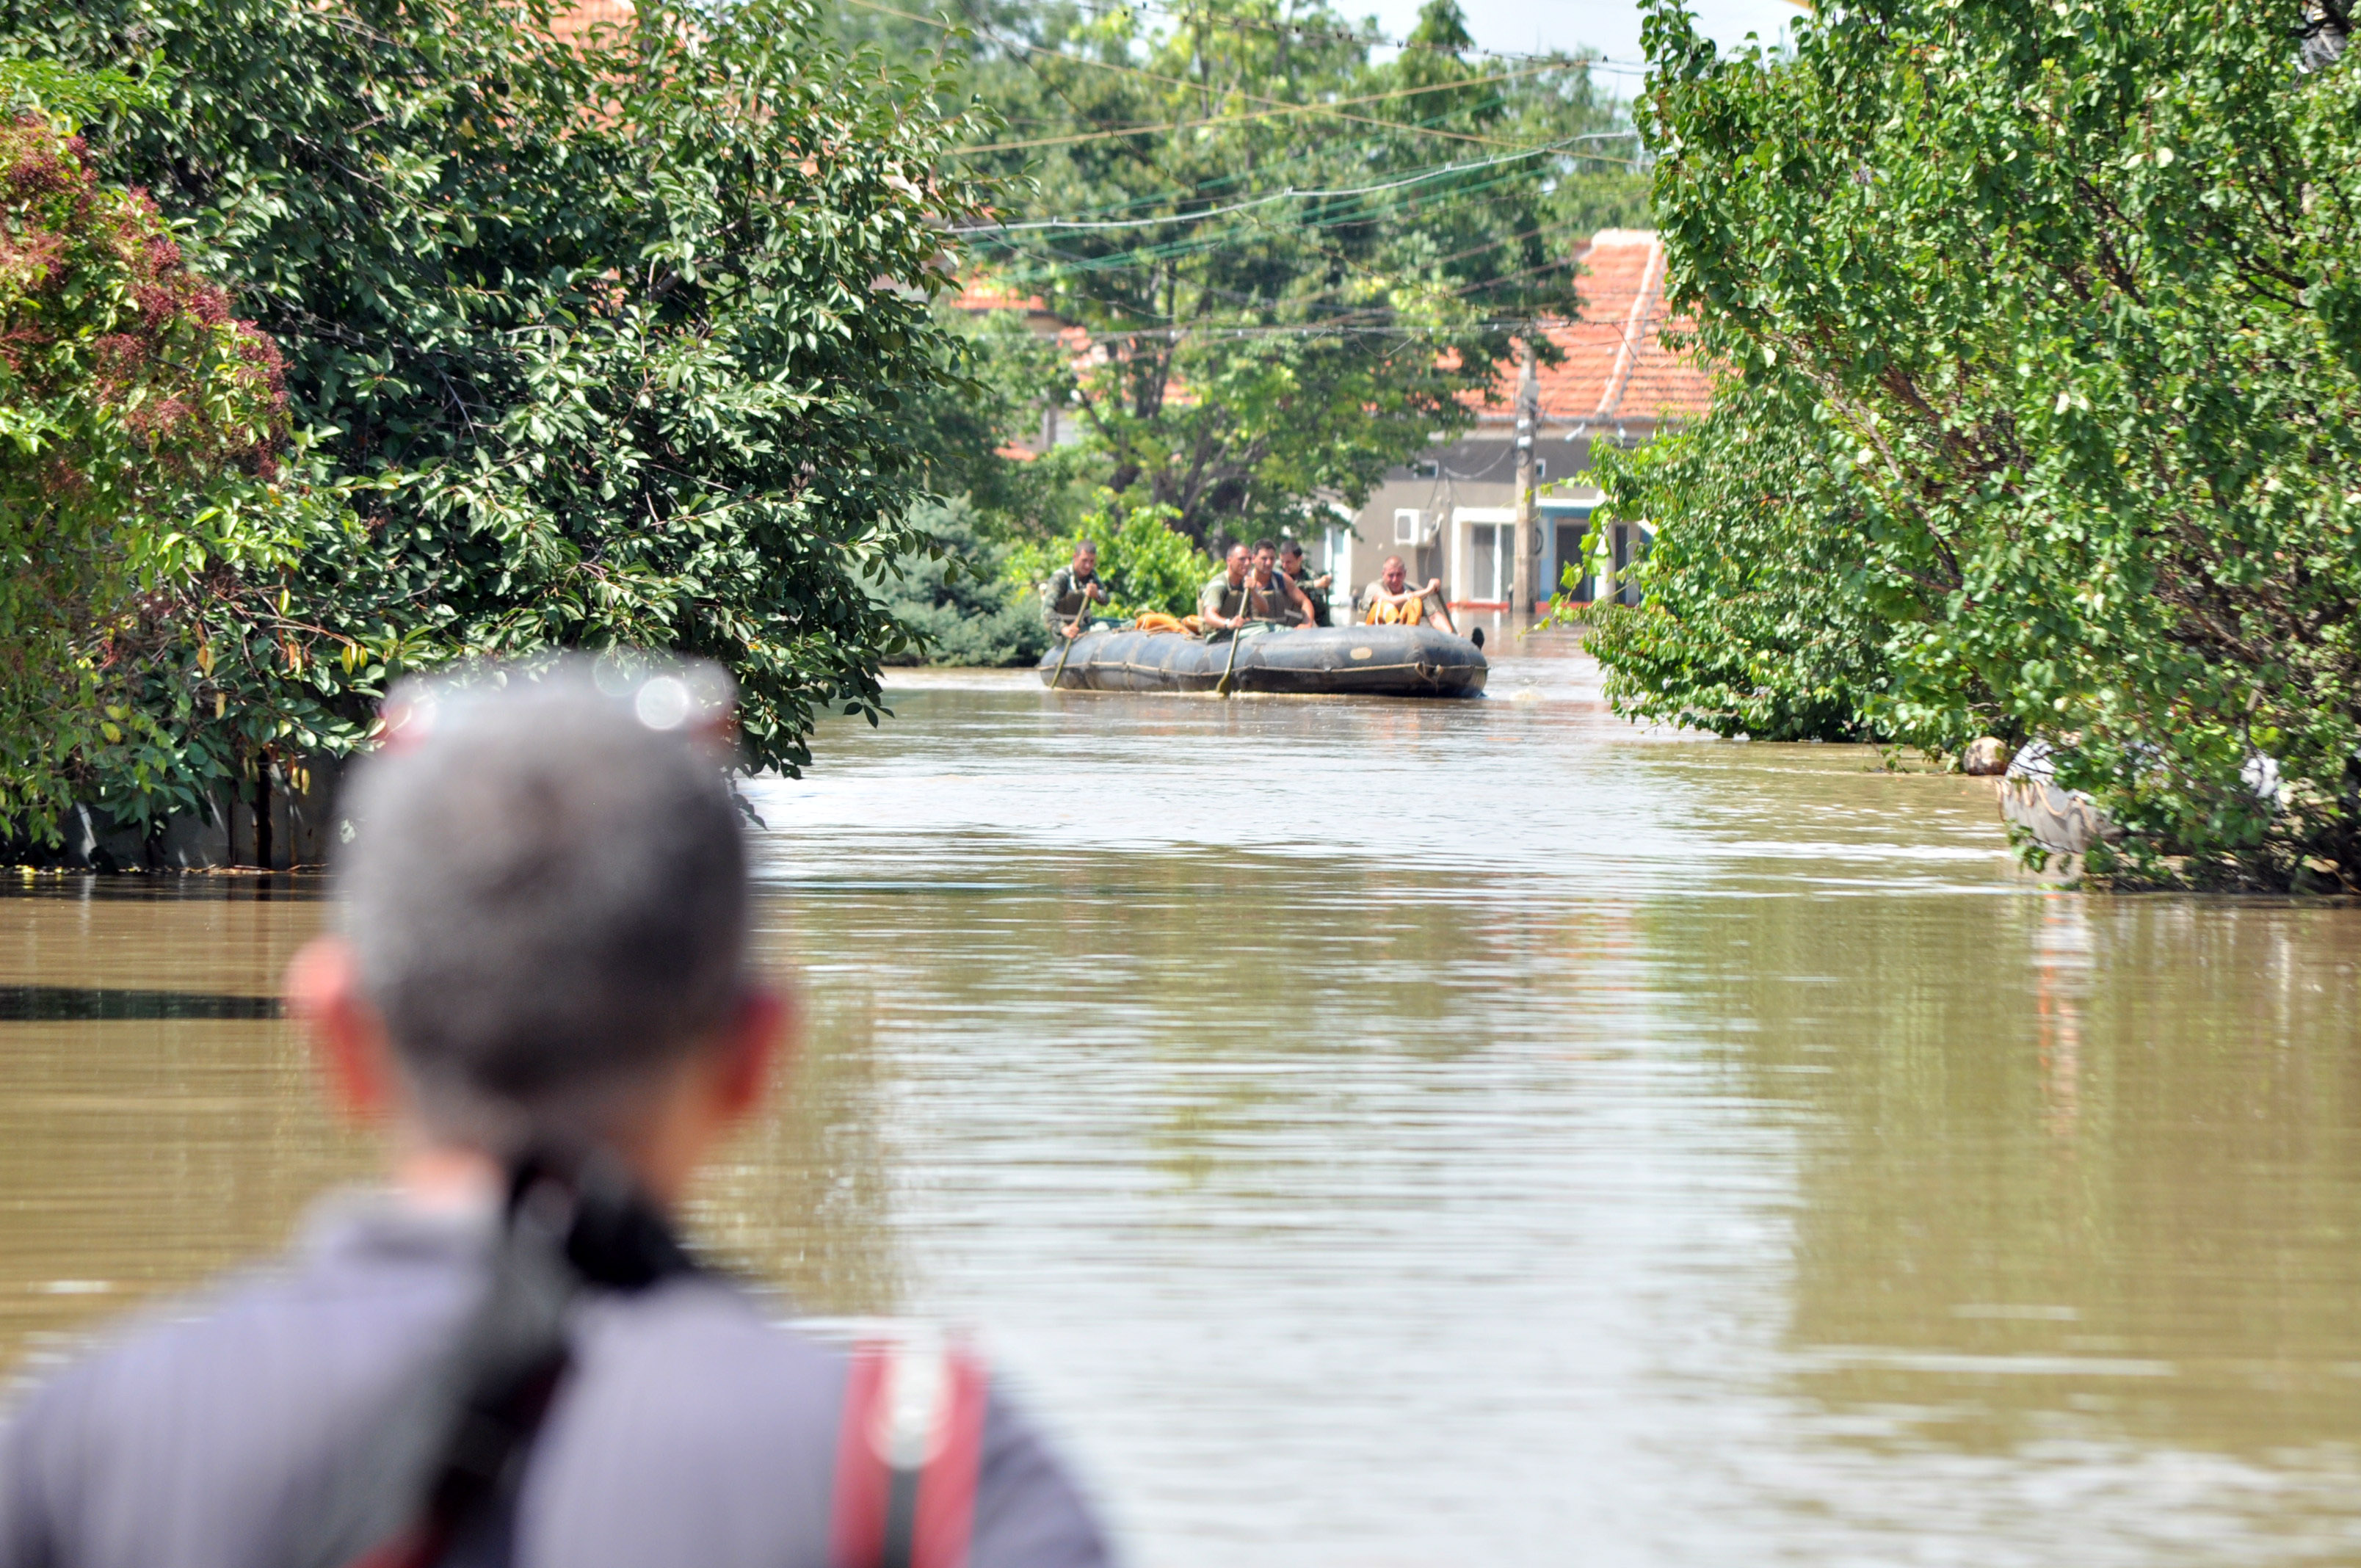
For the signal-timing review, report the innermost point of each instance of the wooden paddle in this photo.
(1077, 637)
(1237, 635)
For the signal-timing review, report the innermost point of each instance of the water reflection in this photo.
(63, 1003)
(1384, 1134)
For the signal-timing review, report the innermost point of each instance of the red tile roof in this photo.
(572, 21)
(1615, 365)
(988, 294)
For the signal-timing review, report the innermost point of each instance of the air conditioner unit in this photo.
(1406, 527)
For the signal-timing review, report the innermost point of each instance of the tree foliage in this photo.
(1764, 616)
(141, 492)
(608, 331)
(2049, 330)
(958, 598)
(1146, 562)
(1294, 259)
(972, 428)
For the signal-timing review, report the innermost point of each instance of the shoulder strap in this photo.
(907, 1455)
(438, 1478)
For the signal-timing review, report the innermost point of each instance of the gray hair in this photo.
(545, 889)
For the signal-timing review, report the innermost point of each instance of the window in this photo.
(1406, 521)
(1541, 469)
(1426, 468)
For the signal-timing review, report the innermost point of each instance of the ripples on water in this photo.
(1387, 1133)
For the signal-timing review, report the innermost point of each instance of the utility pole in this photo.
(1529, 419)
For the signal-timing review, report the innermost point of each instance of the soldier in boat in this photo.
(1251, 590)
(1072, 589)
(1315, 589)
(1222, 602)
(1392, 600)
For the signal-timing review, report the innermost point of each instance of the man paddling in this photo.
(1070, 591)
(1249, 591)
(1222, 602)
(1392, 600)
(544, 980)
(1272, 595)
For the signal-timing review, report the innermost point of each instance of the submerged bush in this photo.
(1761, 615)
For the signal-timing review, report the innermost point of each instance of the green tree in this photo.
(957, 599)
(1294, 259)
(2054, 305)
(968, 427)
(613, 328)
(1764, 616)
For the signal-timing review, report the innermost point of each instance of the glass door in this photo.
(1484, 562)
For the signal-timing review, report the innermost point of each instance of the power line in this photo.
(1286, 195)
(1053, 260)
(1200, 188)
(1142, 255)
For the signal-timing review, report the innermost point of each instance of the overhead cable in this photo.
(1289, 194)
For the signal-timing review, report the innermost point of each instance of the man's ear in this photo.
(763, 1035)
(348, 1039)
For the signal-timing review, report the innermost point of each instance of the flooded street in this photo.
(1426, 1136)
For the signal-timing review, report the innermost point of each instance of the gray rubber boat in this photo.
(1326, 661)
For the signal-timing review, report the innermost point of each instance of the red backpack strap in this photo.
(907, 1455)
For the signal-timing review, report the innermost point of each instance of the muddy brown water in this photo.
(1423, 1135)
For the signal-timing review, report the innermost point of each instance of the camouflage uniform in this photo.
(1319, 596)
(1273, 603)
(1063, 600)
(1217, 597)
(1270, 605)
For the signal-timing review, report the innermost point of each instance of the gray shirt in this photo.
(692, 1427)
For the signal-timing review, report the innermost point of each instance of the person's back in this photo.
(544, 972)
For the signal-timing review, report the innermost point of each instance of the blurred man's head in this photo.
(1265, 557)
(544, 911)
(1086, 559)
(1290, 558)
(1393, 573)
(1235, 561)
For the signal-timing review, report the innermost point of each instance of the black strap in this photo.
(438, 1482)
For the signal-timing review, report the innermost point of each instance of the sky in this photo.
(1612, 26)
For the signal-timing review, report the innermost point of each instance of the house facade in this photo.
(1452, 513)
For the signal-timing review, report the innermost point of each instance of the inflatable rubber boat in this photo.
(1326, 661)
